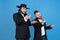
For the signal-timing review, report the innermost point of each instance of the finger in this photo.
(53, 25)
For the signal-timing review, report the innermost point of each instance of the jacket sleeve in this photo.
(47, 27)
(29, 23)
(18, 19)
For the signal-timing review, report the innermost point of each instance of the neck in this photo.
(38, 18)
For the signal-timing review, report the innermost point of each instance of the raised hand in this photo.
(33, 22)
(52, 25)
(27, 17)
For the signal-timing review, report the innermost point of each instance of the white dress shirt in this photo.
(42, 29)
(24, 18)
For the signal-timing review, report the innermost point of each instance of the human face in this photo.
(38, 15)
(23, 9)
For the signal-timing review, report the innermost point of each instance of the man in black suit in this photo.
(22, 21)
(40, 27)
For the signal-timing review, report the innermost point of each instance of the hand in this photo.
(27, 17)
(52, 25)
(33, 22)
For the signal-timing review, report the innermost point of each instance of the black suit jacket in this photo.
(22, 29)
(37, 32)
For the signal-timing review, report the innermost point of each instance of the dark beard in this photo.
(40, 17)
(21, 12)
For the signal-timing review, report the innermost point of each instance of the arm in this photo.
(36, 23)
(51, 26)
(48, 27)
(18, 19)
(29, 23)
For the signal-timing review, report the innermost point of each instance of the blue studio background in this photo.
(50, 10)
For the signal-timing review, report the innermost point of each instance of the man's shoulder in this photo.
(15, 14)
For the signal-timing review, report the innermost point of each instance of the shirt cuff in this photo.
(25, 19)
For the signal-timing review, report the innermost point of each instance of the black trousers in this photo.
(43, 38)
(23, 39)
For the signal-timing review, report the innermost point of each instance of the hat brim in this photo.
(20, 7)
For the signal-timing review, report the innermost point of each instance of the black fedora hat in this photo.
(23, 5)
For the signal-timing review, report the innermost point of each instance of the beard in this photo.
(39, 17)
(21, 11)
